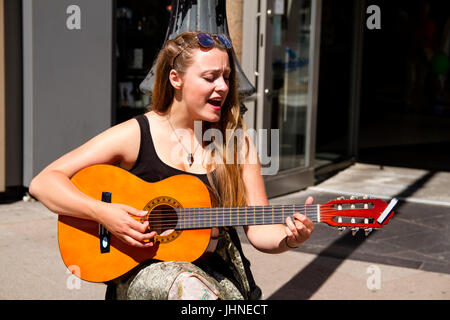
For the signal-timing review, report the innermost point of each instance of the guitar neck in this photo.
(199, 218)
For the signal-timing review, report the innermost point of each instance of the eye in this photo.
(209, 78)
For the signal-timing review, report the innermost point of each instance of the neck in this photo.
(180, 117)
(198, 218)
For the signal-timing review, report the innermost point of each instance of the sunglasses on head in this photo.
(206, 40)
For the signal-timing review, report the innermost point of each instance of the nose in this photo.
(221, 84)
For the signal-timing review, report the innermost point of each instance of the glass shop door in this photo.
(287, 89)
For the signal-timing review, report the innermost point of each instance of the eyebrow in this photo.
(217, 70)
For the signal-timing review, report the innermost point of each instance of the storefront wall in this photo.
(70, 73)
(67, 68)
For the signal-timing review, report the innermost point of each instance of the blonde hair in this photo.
(226, 181)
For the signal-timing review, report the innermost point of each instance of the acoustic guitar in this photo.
(179, 210)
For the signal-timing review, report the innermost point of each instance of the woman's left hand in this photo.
(299, 230)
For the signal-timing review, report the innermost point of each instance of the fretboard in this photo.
(199, 218)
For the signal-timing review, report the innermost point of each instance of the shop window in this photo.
(140, 29)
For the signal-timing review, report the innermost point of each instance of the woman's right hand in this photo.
(117, 219)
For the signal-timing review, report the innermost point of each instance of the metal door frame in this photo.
(257, 66)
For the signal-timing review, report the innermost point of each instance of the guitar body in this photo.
(79, 239)
(180, 212)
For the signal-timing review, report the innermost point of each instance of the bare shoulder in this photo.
(127, 137)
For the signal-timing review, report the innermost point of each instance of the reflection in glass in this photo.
(290, 62)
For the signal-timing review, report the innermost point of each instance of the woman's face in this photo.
(205, 84)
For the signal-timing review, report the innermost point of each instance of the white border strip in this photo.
(387, 211)
(412, 200)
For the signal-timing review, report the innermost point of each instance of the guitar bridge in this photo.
(103, 233)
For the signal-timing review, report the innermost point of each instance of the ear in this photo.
(175, 79)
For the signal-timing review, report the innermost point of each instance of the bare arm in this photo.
(54, 189)
(271, 238)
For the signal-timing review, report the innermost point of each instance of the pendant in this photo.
(190, 159)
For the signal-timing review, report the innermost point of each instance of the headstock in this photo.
(356, 213)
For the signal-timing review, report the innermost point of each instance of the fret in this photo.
(194, 224)
(231, 216)
(254, 214)
(189, 219)
(245, 215)
(239, 209)
(263, 215)
(272, 216)
(203, 218)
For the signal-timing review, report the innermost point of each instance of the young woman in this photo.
(195, 85)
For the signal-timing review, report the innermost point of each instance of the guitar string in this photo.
(221, 211)
(312, 211)
(255, 208)
(204, 216)
(226, 215)
(203, 220)
(172, 218)
(259, 222)
(197, 220)
(250, 210)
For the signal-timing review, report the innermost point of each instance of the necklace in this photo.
(190, 156)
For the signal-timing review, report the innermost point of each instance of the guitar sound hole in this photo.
(163, 220)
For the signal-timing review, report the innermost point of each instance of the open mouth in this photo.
(216, 104)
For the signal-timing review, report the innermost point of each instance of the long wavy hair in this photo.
(225, 175)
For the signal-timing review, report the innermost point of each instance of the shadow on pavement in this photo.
(303, 285)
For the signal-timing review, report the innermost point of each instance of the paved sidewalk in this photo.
(408, 259)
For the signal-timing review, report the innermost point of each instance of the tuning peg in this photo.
(354, 229)
(367, 231)
(341, 229)
(365, 196)
(352, 197)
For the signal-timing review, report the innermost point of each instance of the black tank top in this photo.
(149, 167)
